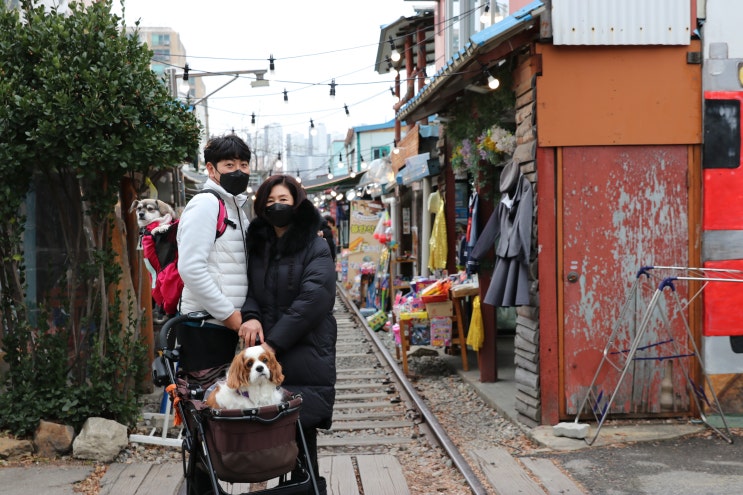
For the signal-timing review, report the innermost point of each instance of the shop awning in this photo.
(340, 182)
(417, 167)
(465, 67)
(379, 172)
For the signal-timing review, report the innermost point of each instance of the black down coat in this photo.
(291, 291)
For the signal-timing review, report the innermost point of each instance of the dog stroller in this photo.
(232, 445)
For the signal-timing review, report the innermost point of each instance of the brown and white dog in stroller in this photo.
(257, 445)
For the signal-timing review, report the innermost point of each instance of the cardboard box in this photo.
(439, 309)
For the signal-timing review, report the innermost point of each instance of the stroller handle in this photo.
(165, 330)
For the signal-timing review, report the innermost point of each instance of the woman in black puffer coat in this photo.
(291, 293)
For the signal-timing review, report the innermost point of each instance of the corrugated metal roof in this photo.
(375, 127)
(488, 38)
(625, 22)
(398, 30)
(315, 185)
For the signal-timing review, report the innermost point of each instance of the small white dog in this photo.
(253, 380)
(153, 210)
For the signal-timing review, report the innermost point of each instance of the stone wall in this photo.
(526, 341)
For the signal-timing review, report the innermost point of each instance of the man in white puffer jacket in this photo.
(214, 268)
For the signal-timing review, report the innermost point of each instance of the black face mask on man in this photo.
(279, 214)
(234, 182)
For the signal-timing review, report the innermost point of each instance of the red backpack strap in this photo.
(222, 220)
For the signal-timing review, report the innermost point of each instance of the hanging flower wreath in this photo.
(492, 147)
(495, 143)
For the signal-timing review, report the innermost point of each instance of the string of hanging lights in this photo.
(334, 85)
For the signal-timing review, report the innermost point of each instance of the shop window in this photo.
(380, 152)
(722, 140)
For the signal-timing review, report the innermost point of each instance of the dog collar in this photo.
(244, 394)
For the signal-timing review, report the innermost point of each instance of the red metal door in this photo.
(624, 207)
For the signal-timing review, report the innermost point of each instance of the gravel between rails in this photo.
(468, 420)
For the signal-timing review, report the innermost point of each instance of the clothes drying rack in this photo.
(644, 326)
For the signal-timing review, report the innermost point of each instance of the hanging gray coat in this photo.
(511, 227)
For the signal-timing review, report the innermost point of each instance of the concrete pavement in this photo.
(658, 458)
(644, 458)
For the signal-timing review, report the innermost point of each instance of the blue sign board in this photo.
(416, 168)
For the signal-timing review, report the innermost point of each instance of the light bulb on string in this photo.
(394, 54)
(185, 87)
(485, 17)
(493, 82)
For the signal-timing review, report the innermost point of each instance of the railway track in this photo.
(378, 413)
(384, 439)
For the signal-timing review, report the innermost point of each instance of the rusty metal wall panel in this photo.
(624, 207)
(629, 95)
(625, 22)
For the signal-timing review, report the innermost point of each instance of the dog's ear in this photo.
(277, 373)
(238, 374)
(165, 208)
(211, 401)
(134, 205)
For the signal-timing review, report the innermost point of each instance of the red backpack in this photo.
(161, 250)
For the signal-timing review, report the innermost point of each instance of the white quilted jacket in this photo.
(214, 272)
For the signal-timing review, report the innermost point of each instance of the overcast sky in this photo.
(312, 42)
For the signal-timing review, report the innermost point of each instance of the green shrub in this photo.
(81, 113)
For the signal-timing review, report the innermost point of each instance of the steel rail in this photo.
(439, 432)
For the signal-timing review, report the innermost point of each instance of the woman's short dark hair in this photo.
(227, 147)
(264, 191)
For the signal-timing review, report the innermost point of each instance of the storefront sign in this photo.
(363, 248)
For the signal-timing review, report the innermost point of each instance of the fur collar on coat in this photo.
(300, 234)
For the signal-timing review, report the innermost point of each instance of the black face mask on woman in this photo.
(279, 214)
(235, 182)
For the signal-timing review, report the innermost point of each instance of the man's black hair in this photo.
(227, 147)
